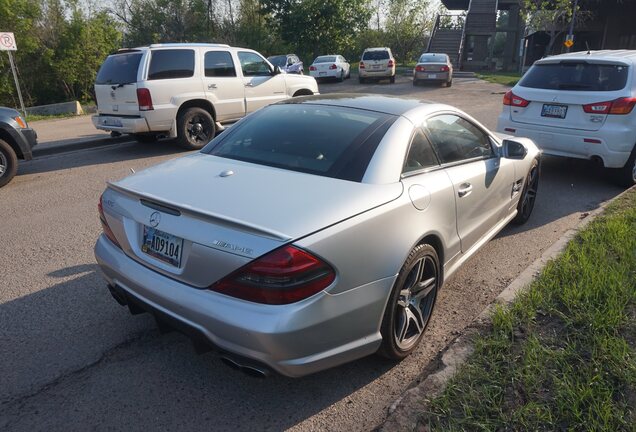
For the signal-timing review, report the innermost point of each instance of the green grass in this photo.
(505, 78)
(37, 117)
(563, 355)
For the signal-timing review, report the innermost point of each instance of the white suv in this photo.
(187, 91)
(579, 105)
(377, 63)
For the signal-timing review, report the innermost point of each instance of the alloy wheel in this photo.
(197, 130)
(415, 303)
(4, 163)
(530, 193)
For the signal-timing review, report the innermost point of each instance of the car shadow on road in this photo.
(72, 356)
(127, 151)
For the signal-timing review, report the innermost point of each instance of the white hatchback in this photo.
(579, 105)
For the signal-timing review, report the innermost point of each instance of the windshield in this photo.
(376, 55)
(324, 140)
(576, 75)
(325, 59)
(280, 61)
(432, 58)
(119, 69)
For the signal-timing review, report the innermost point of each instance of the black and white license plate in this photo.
(554, 111)
(109, 121)
(163, 246)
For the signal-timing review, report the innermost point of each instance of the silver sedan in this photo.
(315, 231)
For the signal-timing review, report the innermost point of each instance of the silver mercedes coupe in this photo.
(315, 231)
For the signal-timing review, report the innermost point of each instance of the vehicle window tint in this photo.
(420, 154)
(324, 140)
(325, 59)
(170, 64)
(456, 139)
(576, 75)
(375, 55)
(219, 64)
(432, 58)
(253, 64)
(119, 69)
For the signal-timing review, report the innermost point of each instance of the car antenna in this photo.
(132, 170)
(588, 48)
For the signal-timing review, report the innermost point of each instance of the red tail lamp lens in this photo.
(102, 218)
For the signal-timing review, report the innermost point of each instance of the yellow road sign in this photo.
(568, 43)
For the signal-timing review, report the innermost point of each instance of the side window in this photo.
(171, 63)
(253, 64)
(219, 64)
(456, 139)
(420, 154)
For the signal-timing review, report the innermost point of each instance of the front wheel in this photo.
(528, 195)
(195, 128)
(8, 163)
(411, 303)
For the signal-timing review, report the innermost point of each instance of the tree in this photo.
(407, 23)
(552, 17)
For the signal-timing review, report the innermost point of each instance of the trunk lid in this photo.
(227, 221)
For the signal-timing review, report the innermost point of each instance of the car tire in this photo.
(348, 74)
(8, 163)
(411, 303)
(195, 128)
(626, 176)
(361, 80)
(341, 77)
(449, 83)
(528, 194)
(392, 79)
(145, 138)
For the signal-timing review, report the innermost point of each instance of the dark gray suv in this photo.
(16, 142)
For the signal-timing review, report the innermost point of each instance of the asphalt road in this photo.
(72, 359)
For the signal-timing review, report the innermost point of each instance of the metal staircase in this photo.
(447, 38)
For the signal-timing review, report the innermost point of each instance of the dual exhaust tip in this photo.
(246, 366)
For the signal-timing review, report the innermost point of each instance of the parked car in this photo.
(432, 67)
(579, 105)
(321, 230)
(289, 63)
(187, 91)
(377, 64)
(330, 66)
(17, 140)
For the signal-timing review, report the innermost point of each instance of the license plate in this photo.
(322, 73)
(554, 111)
(432, 76)
(163, 246)
(111, 122)
(377, 66)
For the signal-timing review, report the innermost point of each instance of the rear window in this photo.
(325, 59)
(170, 64)
(324, 140)
(430, 58)
(119, 69)
(578, 76)
(280, 61)
(375, 55)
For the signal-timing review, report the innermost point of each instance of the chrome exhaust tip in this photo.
(248, 369)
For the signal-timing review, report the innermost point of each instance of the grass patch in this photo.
(38, 117)
(563, 355)
(505, 78)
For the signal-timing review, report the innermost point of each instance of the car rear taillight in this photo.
(333, 66)
(390, 63)
(361, 65)
(620, 106)
(312, 68)
(513, 100)
(102, 218)
(444, 69)
(420, 68)
(285, 275)
(144, 99)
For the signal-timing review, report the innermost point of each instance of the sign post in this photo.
(7, 43)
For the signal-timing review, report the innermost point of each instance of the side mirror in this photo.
(277, 70)
(514, 150)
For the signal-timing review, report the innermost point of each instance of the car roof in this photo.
(371, 102)
(378, 49)
(624, 56)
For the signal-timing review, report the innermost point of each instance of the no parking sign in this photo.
(7, 42)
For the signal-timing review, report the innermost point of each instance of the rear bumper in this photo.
(431, 76)
(120, 124)
(613, 146)
(334, 73)
(387, 73)
(320, 332)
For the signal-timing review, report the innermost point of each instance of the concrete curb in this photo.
(48, 150)
(403, 413)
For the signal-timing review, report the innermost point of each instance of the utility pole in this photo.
(570, 36)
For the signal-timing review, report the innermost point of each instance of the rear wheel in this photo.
(392, 79)
(341, 77)
(528, 195)
(195, 128)
(8, 163)
(626, 176)
(411, 303)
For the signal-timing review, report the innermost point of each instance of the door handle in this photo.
(464, 190)
(249, 84)
(211, 86)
